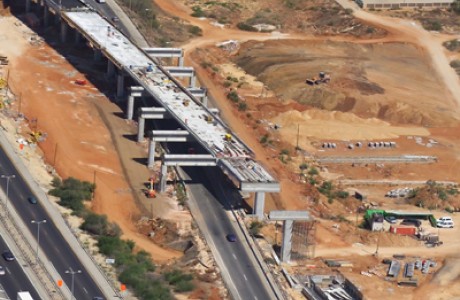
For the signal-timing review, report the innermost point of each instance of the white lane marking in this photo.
(8, 270)
(234, 256)
(255, 297)
(85, 290)
(245, 278)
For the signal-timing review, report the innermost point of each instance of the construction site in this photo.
(338, 124)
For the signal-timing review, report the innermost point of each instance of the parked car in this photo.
(8, 255)
(391, 219)
(2, 271)
(32, 200)
(445, 222)
(231, 237)
(411, 222)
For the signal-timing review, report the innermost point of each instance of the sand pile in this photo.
(338, 126)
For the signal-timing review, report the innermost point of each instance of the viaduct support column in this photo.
(120, 84)
(181, 61)
(130, 107)
(204, 101)
(151, 159)
(46, 14)
(259, 204)
(97, 54)
(110, 68)
(140, 129)
(27, 6)
(193, 80)
(77, 37)
(63, 32)
(163, 177)
(287, 241)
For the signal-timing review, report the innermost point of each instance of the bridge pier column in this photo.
(140, 129)
(287, 241)
(120, 85)
(28, 6)
(193, 80)
(163, 177)
(110, 68)
(63, 32)
(204, 101)
(130, 107)
(181, 61)
(77, 37)
(151, 159)
(46, 14)
(97, 55)
(259, 204)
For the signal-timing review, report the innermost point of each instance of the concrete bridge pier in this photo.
(136, 91)
(97, 54)
(46, 15)
(151, 158)
(287, 240)
(140, 129)
(110, 68)
(259, 204)
(77, 37)
(163, 177)
(28, 3)
(120, 84)
(64, 27)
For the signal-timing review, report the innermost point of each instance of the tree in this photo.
(456, 6)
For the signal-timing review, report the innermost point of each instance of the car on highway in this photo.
(8, 255)
(32, 200)
(445, 222)
(98, 298)
(231, 237)
(2, 270)
(115, 19)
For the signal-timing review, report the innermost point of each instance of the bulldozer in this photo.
(322, 78)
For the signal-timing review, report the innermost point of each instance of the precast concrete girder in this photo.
(201, 93)
(189, 160)
(268, 187)
(166, 52)
(170, 136)
(183, 72)
(153, 113)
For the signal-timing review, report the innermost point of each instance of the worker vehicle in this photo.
(391, 219)
(445, 222)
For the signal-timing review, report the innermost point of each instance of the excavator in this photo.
(323, 78)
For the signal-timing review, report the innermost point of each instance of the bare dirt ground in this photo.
(379, 87)
(66, 113)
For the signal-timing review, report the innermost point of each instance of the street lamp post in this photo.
(38, 234)
(72, 273)
(8, 177)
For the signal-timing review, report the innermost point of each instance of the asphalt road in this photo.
(15, 280)
(51, 241)
(215, 195)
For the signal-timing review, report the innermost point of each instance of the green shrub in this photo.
(99, 225)
(255, 227)
(342, 194)
(245, 27)
(233, 96)
(197, 12)
(195, 30)
(303, 166)
(181, 281)
(264, 139)
(72, 192)
(242, 106)
(227, 83)
(313, 171)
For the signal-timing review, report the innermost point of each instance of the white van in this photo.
(445, 222)
(100, 1)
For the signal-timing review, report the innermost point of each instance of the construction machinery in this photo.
(322, 78)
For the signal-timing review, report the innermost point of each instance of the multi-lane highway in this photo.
(215, 196)
(14, 280)
(51, 240)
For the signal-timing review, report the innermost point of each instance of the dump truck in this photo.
(24, 296)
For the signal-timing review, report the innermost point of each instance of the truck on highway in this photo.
(24, 296)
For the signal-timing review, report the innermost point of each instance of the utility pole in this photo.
(298, 132)
(72, 273)
(55, 155)
(94, 186)
(38, 234)
(8, 177)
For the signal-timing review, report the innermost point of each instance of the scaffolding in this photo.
(303, 240)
